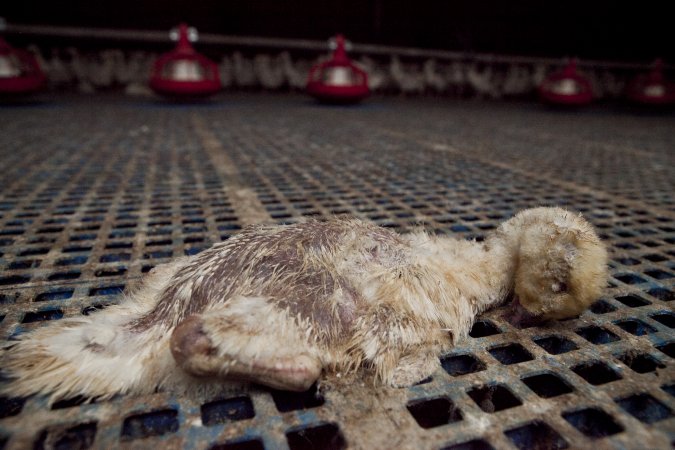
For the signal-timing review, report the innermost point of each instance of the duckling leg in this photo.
(246, 339)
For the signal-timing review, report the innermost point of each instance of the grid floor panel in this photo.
(94, 193)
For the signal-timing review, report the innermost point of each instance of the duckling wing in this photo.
(303, 267)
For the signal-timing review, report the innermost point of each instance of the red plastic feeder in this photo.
(338, 80)
(566, 87)
(652, 88)
(20, 73)
(184, 73)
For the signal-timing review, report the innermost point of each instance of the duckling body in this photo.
(278, 305)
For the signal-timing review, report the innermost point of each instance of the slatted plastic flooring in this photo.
(94, 192)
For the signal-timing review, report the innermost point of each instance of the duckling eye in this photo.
(559, 287)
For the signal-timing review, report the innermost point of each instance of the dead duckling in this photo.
(277, 305)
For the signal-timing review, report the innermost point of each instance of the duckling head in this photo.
(561, 271)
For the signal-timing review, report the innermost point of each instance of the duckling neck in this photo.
(484, 272)
(501, 255)
(498, 267)
(465, 278)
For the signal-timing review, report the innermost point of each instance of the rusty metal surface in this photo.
(95, 193)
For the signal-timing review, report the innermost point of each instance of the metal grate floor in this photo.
(94, 193)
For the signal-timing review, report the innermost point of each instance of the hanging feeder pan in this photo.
(566, 87)
(652, 88)
(20, 73)
(184, 73)
(338, 80)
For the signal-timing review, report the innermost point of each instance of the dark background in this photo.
(591, 29)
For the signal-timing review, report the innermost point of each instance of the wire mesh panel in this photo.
(96, 194)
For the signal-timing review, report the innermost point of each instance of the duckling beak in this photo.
(520, 317)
